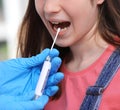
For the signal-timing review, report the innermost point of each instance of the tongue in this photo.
(62, 25)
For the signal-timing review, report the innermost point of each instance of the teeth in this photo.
(55, 22)
(63, 25)
(64, 28)
(55, 28)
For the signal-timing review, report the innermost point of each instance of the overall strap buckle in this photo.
(94, 90)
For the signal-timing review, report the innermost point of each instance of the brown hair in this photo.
(34, 37)
(109, 21)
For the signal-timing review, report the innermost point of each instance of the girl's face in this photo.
(76, 18)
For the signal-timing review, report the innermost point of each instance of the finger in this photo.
(38, 59)
(55, 64)
(53, 53)
(34, 60)
(6, 98)
(38, 104)
(50, 91)
(55, 79)
(25, 97)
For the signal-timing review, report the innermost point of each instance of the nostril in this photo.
(51, 7)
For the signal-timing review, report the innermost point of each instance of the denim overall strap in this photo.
(94, 93)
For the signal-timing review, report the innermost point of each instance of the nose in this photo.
(51, 6)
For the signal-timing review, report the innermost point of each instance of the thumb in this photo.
(38, 104)
(25, 97)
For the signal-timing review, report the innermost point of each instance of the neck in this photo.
(86, 52)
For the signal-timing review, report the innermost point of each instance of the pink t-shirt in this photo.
(74, 87)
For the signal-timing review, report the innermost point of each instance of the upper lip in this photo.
(56, 19)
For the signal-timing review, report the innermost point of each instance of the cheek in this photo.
(84, 19)
(39, 7)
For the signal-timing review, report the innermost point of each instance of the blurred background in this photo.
(11, 14)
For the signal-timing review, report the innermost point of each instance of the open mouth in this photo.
(61, 25)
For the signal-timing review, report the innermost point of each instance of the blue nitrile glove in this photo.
(19, 76)
(25, 102)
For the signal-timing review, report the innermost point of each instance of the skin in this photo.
(82, 35)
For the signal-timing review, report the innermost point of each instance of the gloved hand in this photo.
(22, 102)
(19, 76)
